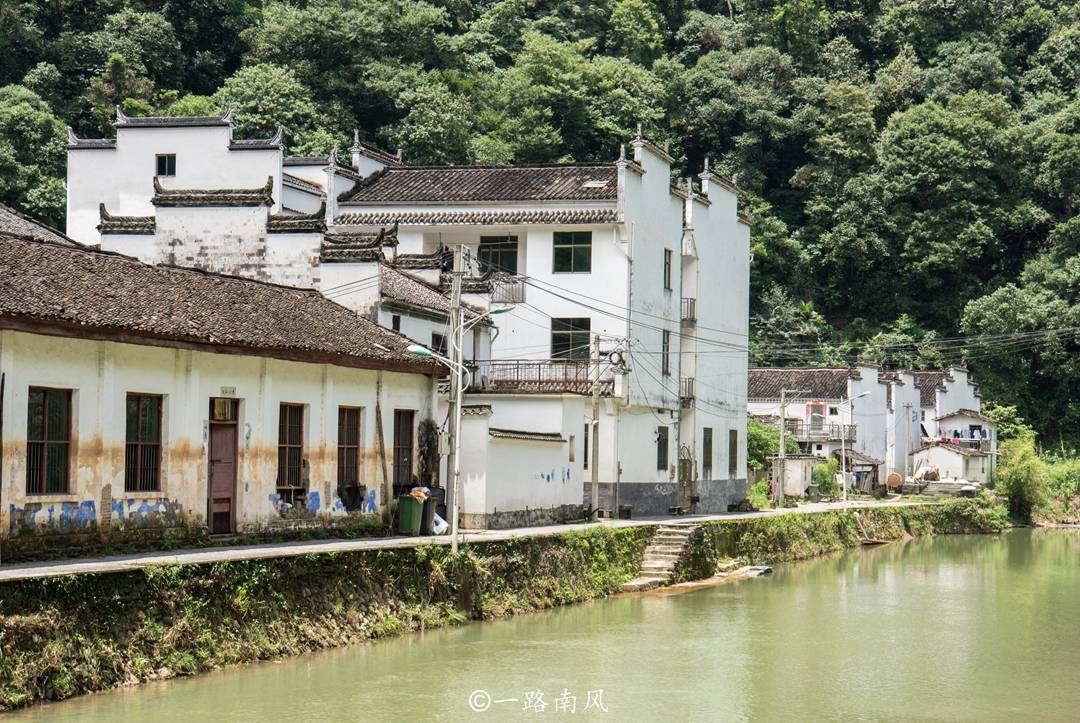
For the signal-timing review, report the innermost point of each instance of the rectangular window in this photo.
(706, 453)
(570, 338)
(348, 455)
(572, 252)
(166, 164)
(662, 448)
(290, 476)
(438, 344)
(498, 253)
(667, 269)
(586, 445)
(665, 353)
(733, 453)
(142, 454)
(48, 441)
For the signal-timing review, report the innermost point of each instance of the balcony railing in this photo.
(982, 445)
(689, 311)
(803, 432)
(539, 375)
(686, 392)
(509, 290)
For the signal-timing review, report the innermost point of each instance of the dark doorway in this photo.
(221, 485)
(403, 448)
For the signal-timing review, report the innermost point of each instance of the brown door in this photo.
(222, 482)
(403, 448)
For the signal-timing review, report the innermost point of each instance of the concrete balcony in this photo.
(803, 432)
(508, 290)
(538, 376)
(686, 392)
(688, 311)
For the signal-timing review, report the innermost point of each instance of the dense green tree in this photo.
(635, 31)
(31, 155)
(267, 97)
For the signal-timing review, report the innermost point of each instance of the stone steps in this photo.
(660, 558)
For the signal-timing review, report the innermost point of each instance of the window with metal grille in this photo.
(290, 478)
(48, 441)
(166, 164)
(572, 252)
(662, 448)
(733, 453)
(665, 352)
(667, 269)
(498, 253)
(142, 455)
(706, 453)
(570, 338)
(438, 344)
(348, 469)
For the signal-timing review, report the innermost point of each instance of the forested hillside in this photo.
(912, 167)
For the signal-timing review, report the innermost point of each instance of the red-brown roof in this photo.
(50, 288)
(814, 383)
(468, 184)
(17, 223)
(928, 383)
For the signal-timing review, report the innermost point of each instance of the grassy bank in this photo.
(60, 637)
(799, 536)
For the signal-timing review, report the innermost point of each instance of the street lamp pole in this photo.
(843, 434)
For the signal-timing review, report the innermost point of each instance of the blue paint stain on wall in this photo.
(118, 510)
(338, 505)
(313, 503)
(369, 502)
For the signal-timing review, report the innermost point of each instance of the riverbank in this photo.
(63, 636)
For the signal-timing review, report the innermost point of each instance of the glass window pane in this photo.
(132, 417)
(563, 260)
(35, 421)
(57, 412)
(150, 423)
(582, 259)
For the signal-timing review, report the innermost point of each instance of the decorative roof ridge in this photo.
(276, 141)
(646, 143)
(707, 173)
(377, 154)
(262, 196)
(74, 142)
(298, 222)
(139, 225)
(124, 120)
(526, 435)
(301, 182)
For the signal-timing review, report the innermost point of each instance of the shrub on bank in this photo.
(1022, 477)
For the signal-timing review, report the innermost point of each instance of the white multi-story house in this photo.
(610, 250)
(890, 419)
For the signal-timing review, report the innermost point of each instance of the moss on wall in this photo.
(60, 637)
(787, 537)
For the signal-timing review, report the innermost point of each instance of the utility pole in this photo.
(594, 431)
(907, 439)
(453, 459)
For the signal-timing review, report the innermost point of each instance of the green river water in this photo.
(976, 628)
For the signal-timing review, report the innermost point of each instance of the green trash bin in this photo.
(409, 514)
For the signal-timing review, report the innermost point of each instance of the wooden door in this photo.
(221, 486)
(403, 448)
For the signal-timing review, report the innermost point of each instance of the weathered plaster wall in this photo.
(101, 374)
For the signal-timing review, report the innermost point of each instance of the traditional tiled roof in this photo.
(126, 121)
(376, 154)
(214, 197)
(469, 184)
(274, 143)
(139, 225)
(484, 218)
(297, 222)
(965, 413)
(823, 383)
(475, 410)
(17, 223)
(401, 287)
(301, 183)
(483, 284)
(75, 143)
(50, 288)
(856, 457)
(550, 386)
(305, 161)
(928, 383)
(435, 260)
(531, 436)
(956, 448)
(353, 246)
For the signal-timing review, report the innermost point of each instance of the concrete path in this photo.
(204, 555)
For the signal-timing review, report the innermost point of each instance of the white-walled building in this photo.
(142, 403)
(901, 412)
(659, 273)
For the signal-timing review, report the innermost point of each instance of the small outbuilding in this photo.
(954, 461)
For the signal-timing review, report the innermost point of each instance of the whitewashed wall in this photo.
(103, 373)
(123, 177)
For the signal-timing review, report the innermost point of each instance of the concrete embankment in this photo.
(62, 636)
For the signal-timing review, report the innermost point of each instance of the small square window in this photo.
(572, 252)
(438, 344)
(833, 411)
(166, 164)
